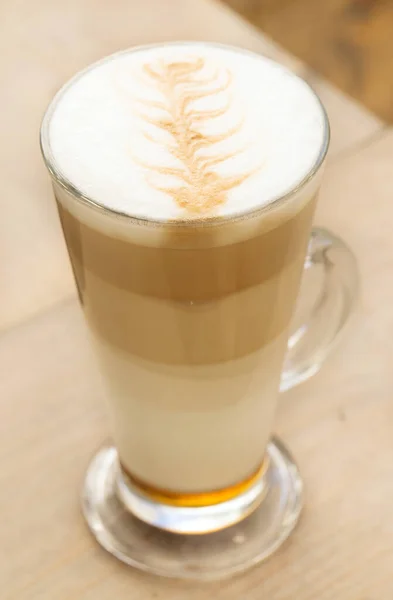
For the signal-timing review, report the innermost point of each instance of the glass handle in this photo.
(326, 298)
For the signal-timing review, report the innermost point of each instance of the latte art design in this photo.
(182, 85)
(185, 131)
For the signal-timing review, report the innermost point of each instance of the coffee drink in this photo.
(184, 194)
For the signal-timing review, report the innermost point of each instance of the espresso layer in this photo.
(195, 274)
(174, 332)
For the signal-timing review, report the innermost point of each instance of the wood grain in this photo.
(51, 416)
(347, 41)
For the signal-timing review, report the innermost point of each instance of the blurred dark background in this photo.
(350, 42)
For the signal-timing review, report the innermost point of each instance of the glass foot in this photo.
(209, 556)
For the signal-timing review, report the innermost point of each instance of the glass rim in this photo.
(88, 201)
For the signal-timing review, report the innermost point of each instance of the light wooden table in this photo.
(339, 425)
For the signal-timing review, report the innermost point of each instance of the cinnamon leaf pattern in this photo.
(181, 84)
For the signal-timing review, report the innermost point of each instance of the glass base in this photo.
(265, 517)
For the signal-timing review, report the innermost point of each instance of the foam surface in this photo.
(185, 131)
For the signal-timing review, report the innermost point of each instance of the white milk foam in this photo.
(132, 131)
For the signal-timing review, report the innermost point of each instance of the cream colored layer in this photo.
(192, 429)
(201, 233)
(192, 333)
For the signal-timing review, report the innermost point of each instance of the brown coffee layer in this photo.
(197, 274)
(189, 306)
(173, 332)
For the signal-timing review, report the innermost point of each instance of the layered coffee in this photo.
(183, 195)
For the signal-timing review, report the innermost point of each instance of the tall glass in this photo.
(190, 321)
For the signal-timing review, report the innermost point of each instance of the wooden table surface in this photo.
(339, 425)
(349, 41)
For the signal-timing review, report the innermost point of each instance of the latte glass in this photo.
(190, 321)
